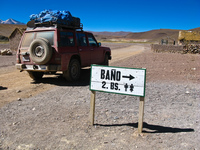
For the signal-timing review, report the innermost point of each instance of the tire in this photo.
(106, 60)
(35, 75)
(40, 51)
(73, 72)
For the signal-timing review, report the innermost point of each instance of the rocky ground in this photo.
(54, 114)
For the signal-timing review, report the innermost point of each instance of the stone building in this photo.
(15, 38)
(188, 37)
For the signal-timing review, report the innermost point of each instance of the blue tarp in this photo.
(56, 16)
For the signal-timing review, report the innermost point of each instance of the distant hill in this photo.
(154, 35)
(11, 21)
(7, 29)
(157, 35)
(106, 33)
(195, 29)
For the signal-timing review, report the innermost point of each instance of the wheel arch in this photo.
(66, 59)
(76, 57)
(109, 55)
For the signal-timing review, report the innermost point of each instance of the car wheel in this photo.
(40, 51)
(74, 71)
(35, 75)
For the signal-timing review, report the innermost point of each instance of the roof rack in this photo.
(69, 27)
(33, 24)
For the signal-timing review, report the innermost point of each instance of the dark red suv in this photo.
(51, 49)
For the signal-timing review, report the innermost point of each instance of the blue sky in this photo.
(113, 15)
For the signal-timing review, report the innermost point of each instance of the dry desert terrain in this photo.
(54, 114)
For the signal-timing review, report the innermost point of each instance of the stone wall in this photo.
(166, 48)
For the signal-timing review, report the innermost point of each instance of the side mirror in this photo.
(99, 44)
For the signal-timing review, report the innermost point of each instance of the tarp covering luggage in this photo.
(56, 17)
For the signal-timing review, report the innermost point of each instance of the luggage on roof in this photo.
(55, 17)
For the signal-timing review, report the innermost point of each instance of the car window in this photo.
(28, 38)
(47, 35)
(66, 39)
(81, 39)
(92, 41)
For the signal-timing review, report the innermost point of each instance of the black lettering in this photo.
(118, 76)
(107, 75)
(113, 74)
(112, 86)
(116, 86)
(102, 73)
(103, 84)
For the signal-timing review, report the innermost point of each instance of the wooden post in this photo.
(141, 115)
(92, 107)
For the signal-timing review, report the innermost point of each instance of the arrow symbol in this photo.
(130, 77)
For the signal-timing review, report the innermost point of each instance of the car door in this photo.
(66, 42)
(83, 49)
(96, 51)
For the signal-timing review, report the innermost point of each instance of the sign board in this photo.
(129, 81)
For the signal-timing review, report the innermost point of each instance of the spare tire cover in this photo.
(40, 51)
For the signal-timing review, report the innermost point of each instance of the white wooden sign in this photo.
(129, 81)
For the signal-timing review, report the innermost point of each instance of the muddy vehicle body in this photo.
(51, 49)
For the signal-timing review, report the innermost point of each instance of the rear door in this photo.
(66, 42)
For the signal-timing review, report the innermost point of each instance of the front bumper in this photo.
(43, 68)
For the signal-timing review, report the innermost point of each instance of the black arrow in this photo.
(130, 77)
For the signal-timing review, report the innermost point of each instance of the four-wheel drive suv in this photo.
(51, 49)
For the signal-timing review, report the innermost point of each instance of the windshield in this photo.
(29, 37)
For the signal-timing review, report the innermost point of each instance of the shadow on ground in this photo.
(3, 88)
(61, 81)
(148, 128)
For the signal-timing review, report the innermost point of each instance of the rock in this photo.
(115, 118)
(187, 92)
(19, 99)
(15, 123)
(193, 69)
(18, 91)
(6, 52)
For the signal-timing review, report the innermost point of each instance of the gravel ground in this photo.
(59, 118)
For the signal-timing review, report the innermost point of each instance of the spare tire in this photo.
(40, 51)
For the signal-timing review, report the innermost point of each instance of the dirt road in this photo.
(18, 85)
(123, 53)
(57, 118)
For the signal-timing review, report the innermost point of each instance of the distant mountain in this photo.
(106, 33)
(154, 34)
(157, 35)
(151, 36)
(195, 29)
(11, 21)
(7, 29)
